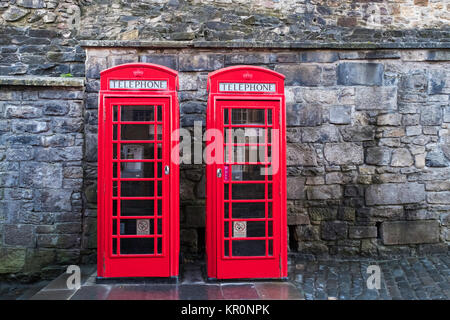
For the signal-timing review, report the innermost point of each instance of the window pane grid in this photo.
(141, 117)
(230, 119)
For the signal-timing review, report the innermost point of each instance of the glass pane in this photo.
(269, 116)
(114, 132)
(115, 113)
(137, 246)
(226, 248)
(159, 132)
(137, 151)
(270, 247)
(114, 150)
(114, 210)
(115, 188)
(269, 228)
(137, 113)
(246, 135)
(137, 227)
(226, 191)
(159, 188)
(248, 173)
(114, 246)
(247, 116)
(226, 229)
(114, 227)
(114, 169)
(249, 248)
(160, 208)
(160, 113)
(159, 230)
(249, 229)
(242, 154)
(269, 209)
(137, 132)
(248, 191)
(159, 245)
(248, 210)
(137, 189)
(138, 170)
(137, 207)
(225, 116)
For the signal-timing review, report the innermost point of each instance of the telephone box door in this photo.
(138, 229)
(245, 207)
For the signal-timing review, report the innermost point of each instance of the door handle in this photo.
(166, 170)
(219, 173)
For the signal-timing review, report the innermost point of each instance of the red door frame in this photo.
(219, 266)
(165, 264)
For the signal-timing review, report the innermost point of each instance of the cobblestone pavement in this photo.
(405, 278)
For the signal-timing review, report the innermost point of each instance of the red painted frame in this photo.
(165, 264)
(219, 266)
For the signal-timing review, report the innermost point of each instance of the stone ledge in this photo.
(41, 81)
(263, 44)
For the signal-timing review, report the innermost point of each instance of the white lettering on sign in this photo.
(137, 84)
(246, 87)
(142, 226)
(239, 229)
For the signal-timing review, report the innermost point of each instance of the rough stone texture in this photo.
(391, 193)
(409, 232)
(40, 176)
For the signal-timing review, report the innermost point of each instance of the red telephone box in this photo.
(138, 181)
(246, 231)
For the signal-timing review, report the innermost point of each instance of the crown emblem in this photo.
(247, 75)
(138, 73)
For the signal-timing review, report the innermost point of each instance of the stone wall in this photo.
(41, 175)
(41, 37)
(368, 143)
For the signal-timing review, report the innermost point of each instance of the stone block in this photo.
(436, 158)
(19, 235)
(307, 233)
(200, 62)
(303, 115)
(12, 260)
(41, 175)
(409, 232)
(395, 193)
(333, 230)
(52, 200)
(376, 98)
(300, 74)
(431, 115)
(324, 192)
(321, 214)
(362, 232)
(439, 197)
(340, 114)
(324, 133)
(378, 156)
(358, 133)
(23, 112)
(319, 56)
(295, 188)
(390, 119)
(366, 74)
(167, 60)
(300, 155)
(401, 158)
(343, 153)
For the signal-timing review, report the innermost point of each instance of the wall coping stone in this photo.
(262, 44)
(41, 81)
